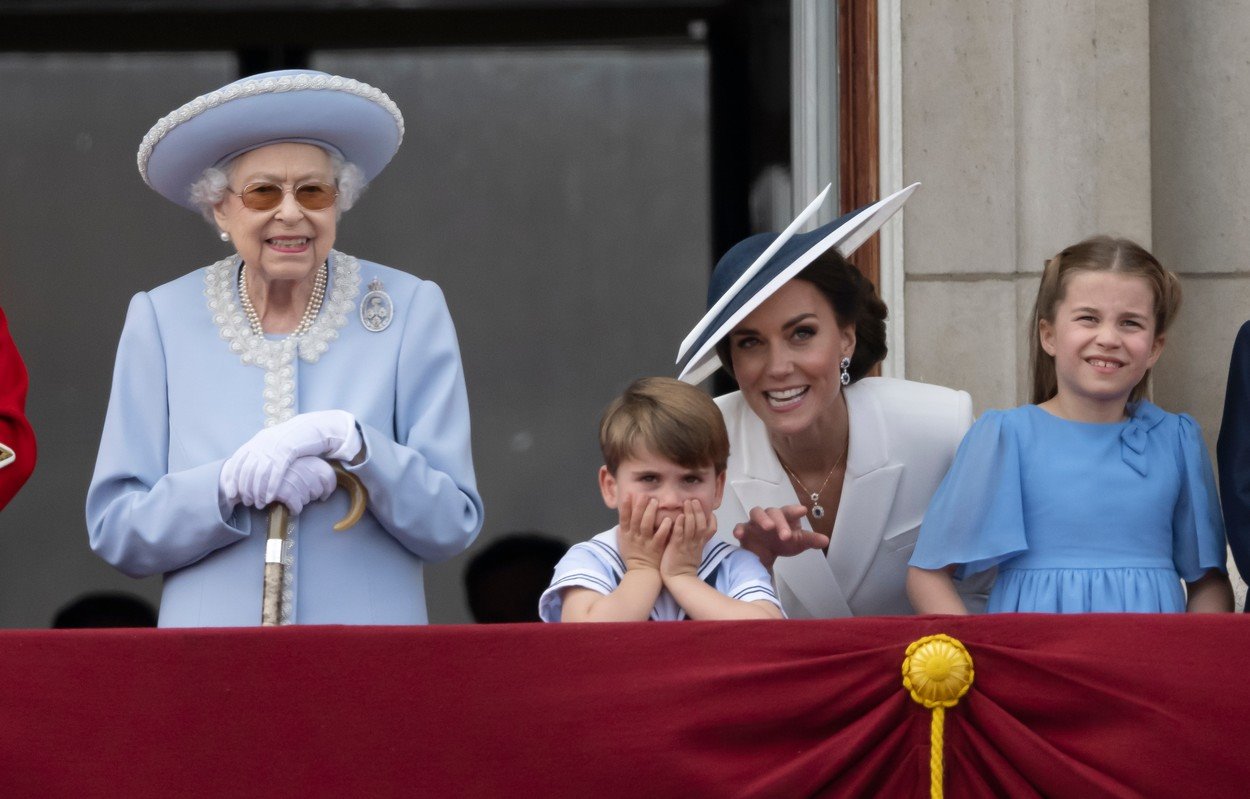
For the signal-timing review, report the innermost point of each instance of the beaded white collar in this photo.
(275, 356)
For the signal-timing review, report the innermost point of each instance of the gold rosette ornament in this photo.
(937, 672)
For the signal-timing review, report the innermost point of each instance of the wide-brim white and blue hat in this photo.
(756, 267)
(347, 117)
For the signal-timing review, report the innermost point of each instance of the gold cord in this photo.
(937, 672)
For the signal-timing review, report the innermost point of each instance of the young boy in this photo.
(664, 451)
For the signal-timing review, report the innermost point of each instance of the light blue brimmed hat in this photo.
(347, 117)
(756, 267)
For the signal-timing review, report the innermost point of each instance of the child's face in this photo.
(646, 474)
(1103, 337)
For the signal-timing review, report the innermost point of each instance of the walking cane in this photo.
(279, 515)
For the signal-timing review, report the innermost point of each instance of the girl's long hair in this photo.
(1097, 254)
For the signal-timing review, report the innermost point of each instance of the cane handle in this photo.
(356, 493)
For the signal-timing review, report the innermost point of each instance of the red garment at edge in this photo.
(15, 432)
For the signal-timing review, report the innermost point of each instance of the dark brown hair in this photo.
(675, 420)
(1096, 254)
(854, 301)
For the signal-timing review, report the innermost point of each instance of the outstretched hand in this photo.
(772, 533)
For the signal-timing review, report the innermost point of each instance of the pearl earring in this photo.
(224, 236)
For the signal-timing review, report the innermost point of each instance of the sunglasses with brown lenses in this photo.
(314, 196)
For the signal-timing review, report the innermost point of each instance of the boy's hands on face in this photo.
(641, 541)
(692, 529)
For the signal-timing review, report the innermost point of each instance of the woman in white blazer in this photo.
(829, 471)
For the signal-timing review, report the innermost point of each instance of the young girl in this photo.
(1092, 499)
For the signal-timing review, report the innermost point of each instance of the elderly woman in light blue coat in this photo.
(235, 384)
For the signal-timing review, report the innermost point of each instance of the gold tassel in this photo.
(937, 672)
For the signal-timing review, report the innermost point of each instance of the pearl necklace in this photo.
(310, 311)
(818, 510)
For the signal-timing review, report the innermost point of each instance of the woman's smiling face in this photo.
(785, 357)
(287, 242)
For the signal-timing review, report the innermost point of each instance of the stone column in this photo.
(1029, 125)
(1201, 167)
(1200, 109)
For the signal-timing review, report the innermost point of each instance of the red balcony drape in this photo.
(1082, 706)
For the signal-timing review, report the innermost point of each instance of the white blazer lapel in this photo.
(806, 576)
(867, 492)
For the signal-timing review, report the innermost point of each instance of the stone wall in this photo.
(1034, 124)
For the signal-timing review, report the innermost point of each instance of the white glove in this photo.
(309, 478)
(253, 474)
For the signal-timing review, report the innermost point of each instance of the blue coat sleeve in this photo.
(1197, 527)
(422, 488)
(1233, 452)
(141, 518)
(976, 518)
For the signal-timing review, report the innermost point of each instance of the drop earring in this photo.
(845, 366)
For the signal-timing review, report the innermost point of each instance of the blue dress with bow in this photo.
(1079, 517)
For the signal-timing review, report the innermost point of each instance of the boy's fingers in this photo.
(625, 509)
(662, 532)
(647, 525)
(686, 518)
(640, 510)
(700, 518)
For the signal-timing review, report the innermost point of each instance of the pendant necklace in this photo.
(817, 511)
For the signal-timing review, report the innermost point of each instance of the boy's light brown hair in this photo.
(672, 419)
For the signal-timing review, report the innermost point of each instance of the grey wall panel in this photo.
(560, 198)
(79, 234)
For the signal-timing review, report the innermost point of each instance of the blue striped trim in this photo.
(612, 554)
(583, 576)
(717, 548)
(766, 593)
